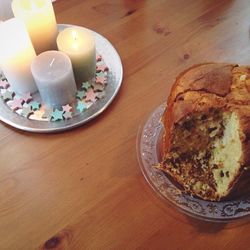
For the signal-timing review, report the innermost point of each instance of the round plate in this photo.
(148, 143)
(111, 59)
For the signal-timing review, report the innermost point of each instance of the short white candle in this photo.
(54, 77)
(16, 55)
(39, 18)
(79, 44)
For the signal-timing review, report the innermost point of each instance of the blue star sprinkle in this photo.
(80, 94)
(35, 105)
(101, 75)
(81, 106)
(57, 115)
(86, 85)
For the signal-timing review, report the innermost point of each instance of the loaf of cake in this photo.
(206, 144)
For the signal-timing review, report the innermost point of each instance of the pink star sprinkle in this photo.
(16, 104)
(67, 108)
(101, 67)
(4, 84)
(101, 80)
(98, 58)
(91, 95)
(27, 97)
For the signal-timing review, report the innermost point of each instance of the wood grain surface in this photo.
(83, 189)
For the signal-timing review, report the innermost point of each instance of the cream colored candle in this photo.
(39, 18)
(79, 44)
(16, 55)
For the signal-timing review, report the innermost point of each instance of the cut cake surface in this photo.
(207, 126)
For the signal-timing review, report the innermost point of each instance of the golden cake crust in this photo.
(206, 86)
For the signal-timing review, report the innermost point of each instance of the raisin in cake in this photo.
(206, 145)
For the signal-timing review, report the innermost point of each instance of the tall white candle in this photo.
(54, 77)
(16, 55)
(79, 44)
(39, 18)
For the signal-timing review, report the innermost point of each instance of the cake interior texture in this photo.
(205, 153)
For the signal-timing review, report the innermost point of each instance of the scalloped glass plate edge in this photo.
(147, 146)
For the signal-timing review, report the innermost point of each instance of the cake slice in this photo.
(207, 127)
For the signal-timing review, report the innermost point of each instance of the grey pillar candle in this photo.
(53, 73)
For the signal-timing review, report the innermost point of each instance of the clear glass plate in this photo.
(148, 151)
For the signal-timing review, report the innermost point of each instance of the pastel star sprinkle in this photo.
(81, 106)
(4, 84)
(101, 74)
(27, 111)
(101, 80)
(86, 85)
(35, 105)
(27, 97)
(48, 113)
(67, 108)
(98, 87)
(38, 114)
(101, 95)
(57, 115)
(80, 94)
(98, 58)
(16, 104)
(67, 115)
(90, 97)
(101, 67)
(87, 95)
(8, 95)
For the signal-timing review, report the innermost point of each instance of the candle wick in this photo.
(32, 5)
(52, 62)
(74, 34)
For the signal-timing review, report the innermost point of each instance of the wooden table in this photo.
(83, 189)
